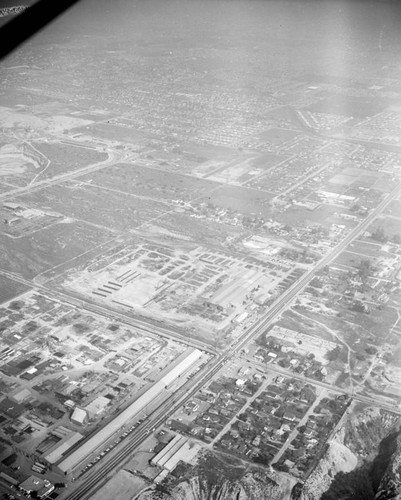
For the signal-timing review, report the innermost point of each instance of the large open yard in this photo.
(99, 206)
(155, 183)
(49, 247)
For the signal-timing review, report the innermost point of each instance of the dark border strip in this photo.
(26, 24)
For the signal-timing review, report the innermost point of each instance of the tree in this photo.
(365, 268)
(333, 354)
(358, 306)
(397, 239)
(378, 234)
(338, 353)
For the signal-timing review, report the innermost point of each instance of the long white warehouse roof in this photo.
(162, 453)
(105, 433)
(56, 451)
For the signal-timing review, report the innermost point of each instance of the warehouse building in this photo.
(79, 416)
(56, 452)
(168, 451)
(179, 449)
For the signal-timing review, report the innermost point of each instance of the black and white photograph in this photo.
(200, 249)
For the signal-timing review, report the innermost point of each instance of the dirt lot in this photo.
(49, 247)
(123, 486)
(10, 289)
(114, 210)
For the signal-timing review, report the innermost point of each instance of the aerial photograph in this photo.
(200, 250)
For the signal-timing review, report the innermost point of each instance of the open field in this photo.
(384, 183)
(292, 321)
(124, 486)
(10, 289)
(242, 200)
(15, 118)
(394, 209)
(66, 158)
(112, 132)
(278, 136)
(325, 215)
(351, 259)
(240, 172)
(4, 188)
(391, 226)
(103, 207)
(151, 182)
(202, 231)
(24, 163)
(19, 163)
(348, 106)
(49, 247)
(366, 248)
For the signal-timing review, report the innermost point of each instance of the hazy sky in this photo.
(355, 39)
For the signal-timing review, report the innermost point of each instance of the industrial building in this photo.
(185, 362)
(97, 406)
(166, 453)
(41, 487)
(56, 452)
(178, 449)
(79, 416)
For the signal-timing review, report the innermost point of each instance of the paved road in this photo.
(145, 325)
(385, 404)
(99, 475)
(92, 482)
(112, 158)
(285, 299)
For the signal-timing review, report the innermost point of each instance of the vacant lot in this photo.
(100, 206)
(123, 486)
(49, 247)
(10, 289)
(390, 225)
(65, 158)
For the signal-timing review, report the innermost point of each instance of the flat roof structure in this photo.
(167, 449)
(104, 434)
(32, 483)
(8, 478)
(186, 453)
(178, 449)
(171, 451)
(79, 416)
(57, 451)
(97, 406)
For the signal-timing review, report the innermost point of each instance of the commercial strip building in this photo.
(185, 362)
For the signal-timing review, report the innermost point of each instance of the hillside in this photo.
(221, 478)
(362, 461)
